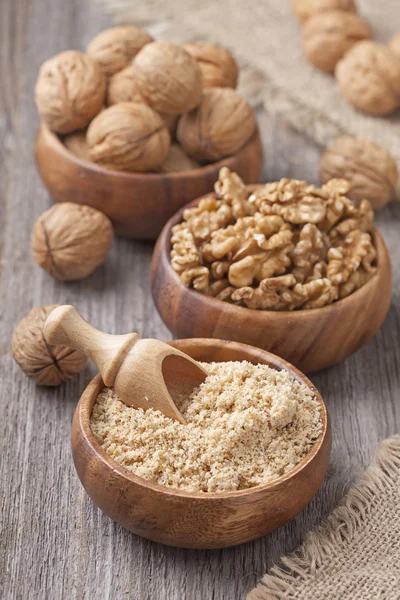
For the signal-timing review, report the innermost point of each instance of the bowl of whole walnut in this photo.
(136, 128)
(286, 266)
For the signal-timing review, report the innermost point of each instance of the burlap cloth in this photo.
(265, 37)
(356, 554)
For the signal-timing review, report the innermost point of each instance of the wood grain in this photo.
(311, 339)
(54, 543)
(197, 520)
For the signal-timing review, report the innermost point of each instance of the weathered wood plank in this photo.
(53, 542)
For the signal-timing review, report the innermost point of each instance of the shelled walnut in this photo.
(70, 240)
(218, 67)
(328, 35)
(115, 48)
(69, 91)
(45, 364)
(305, 9)
(168, 78)
(286, 245)
(128, 136)
(221, 125)
(369, 168)
(369, 78)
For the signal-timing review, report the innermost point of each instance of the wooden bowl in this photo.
(138, 204)
(197, 520)
(309, 339)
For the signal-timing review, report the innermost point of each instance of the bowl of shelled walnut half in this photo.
(288, 267)
(136, 128)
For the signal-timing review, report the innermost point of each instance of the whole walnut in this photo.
(115, 48)
(168, 78)
(218, 67)
(329, 35)
(305, 9)
(122, 88)
(128, 136)
(369, 78)
(70, 240)
(171, 122)
(69, 91)
(177, 161)
(221, 125)
(45, 364)
(369, 168)
(395, 44)
(77, 144)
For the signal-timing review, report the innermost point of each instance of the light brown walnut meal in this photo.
(285, 245)
(370, 169)
(45, 364)
(168, 78)
(70, 240)
(305, 9)
(369, 78)
(328, 35)
(218, 67)
(128, 136)
(220, 126)
(70, 91)
(115, 48)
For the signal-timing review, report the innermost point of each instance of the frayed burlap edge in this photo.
(345, 522)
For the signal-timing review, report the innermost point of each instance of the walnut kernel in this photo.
(70, 240)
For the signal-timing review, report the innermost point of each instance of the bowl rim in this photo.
(164, 246)
(55, 140)
(96, 385)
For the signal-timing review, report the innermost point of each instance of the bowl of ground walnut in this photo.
(286, 266)
(136, 128)
(253, 453)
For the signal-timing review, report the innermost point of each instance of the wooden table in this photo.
(54, 543)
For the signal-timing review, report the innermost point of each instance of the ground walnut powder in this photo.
(246, 425)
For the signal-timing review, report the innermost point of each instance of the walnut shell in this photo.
(70, 240)
(305, 9)
(369, 78)
(168, 78)
(395, 44)
(129, 136)
(122, 88)
(171, 122)
(177, 161)
(221, 124)
(218, 67)
(329, 35)
(45, 364)
(115, 48)
(77, 144)
(69, 91)
(369, 168)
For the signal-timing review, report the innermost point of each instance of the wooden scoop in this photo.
(145, 373)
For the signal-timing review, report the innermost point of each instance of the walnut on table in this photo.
(305, 9)
(251, 250)
(368, 167)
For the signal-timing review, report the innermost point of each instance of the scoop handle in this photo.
(64, 325)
